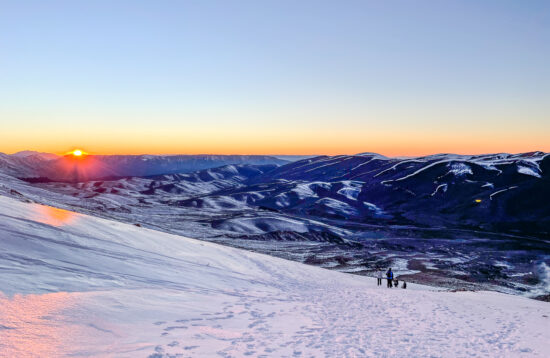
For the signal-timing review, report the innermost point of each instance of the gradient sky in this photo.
(275, 77)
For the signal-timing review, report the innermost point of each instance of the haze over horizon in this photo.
(275, 78)
(67, 153)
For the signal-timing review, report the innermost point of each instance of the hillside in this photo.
(76, 285)
(476, 222)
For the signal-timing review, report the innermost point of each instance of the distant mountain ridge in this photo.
(91, 167)
(32, 153)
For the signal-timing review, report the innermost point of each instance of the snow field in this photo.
(76, 285)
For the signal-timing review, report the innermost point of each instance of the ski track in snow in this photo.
(82, 286)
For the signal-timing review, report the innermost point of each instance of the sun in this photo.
(77, 153)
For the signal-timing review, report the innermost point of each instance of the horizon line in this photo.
(284, 155)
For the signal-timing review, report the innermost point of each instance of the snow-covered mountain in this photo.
(75, 285)
(498, 192)
(32, 153)
(44, 167)
(450, 220)
(24, 164)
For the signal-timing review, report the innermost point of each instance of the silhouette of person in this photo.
(389, 276)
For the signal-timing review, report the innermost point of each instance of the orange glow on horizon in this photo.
(391, 147)
(396, 144)
(299, 151)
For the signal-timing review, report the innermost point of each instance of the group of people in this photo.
(391, 280)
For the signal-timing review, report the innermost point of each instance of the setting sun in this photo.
(77, 153)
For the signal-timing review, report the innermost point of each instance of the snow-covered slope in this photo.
(391, 217)
(23, 164)
(75, 285)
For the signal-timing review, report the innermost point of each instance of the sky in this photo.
(275, 77)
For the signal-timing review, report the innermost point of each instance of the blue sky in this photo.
(285, 77)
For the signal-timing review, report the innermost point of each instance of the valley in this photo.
(353, 214)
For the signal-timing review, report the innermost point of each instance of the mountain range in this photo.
(69, 168)
(454, 220)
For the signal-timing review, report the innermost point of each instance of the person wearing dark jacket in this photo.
(389, 276)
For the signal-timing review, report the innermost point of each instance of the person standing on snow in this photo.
(389, 276)
(379, 277)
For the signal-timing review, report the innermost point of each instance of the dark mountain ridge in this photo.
(503, 192)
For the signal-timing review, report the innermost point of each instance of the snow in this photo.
(394, 167)
(443, 188)
(221, 202)
(491, 167)
(459, 169)
(329, 162)
(364, 163)
(260, 225)
(304, 191)
(334, 206)
(371, 154)
(282, 200)
(400, 267)
(75, 285)
(317, 185)
(528, 171)
(374, 208)
(501, 191)
(350, 189)
(417, 171)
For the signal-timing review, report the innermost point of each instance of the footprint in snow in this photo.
(175, 327)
